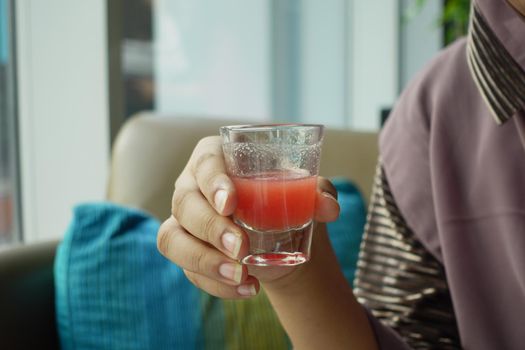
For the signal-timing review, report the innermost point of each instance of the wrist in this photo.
(316, 304)
(289, 281)
(322, 262)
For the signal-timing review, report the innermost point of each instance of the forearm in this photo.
(316, 305)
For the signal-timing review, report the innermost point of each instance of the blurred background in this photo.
(72, 72)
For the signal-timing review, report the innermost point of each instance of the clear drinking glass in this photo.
(274, 169)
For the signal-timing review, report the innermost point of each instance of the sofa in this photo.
(147, 156)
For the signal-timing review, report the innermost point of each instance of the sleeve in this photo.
(401, 285)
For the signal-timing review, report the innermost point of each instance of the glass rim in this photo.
(269, 127)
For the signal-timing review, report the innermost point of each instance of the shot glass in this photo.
(274, 169)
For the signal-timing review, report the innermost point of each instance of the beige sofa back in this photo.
(150, 151)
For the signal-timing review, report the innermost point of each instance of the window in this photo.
(9, 194)
(299, 61)
(336, 62)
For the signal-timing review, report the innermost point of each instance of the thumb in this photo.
(326, 206)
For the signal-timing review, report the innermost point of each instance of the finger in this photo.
(246, 290)
(196, 256)
(209, 170)
(326, 187)
(327, 207)
(194, 213)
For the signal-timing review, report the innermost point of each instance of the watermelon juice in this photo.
(276, 210)
(275, 201)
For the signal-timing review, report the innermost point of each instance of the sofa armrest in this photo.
(27, 316)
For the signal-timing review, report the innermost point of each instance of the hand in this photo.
(202, 239)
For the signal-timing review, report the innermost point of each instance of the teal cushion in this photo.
(346, 233)
(115, 291)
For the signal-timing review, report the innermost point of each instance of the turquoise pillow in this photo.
(346, 233)
(115, 291)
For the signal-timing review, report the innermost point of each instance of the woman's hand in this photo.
(313, 301)
(202, 239)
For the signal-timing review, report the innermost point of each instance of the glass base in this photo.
(275, 259)
(278, 248)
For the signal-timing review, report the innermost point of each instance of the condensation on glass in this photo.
(9, 193)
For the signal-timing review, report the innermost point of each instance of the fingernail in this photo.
(329, 195)
(247, 290)
(220, 200)
(231, 243)
(231, 271)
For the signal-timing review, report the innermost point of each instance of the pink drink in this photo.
(275, 201)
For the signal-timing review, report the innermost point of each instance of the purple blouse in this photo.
(454, 155)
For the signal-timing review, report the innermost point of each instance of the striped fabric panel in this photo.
(498, 76)
(399, 281)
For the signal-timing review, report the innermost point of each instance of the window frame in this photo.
(12, 142)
